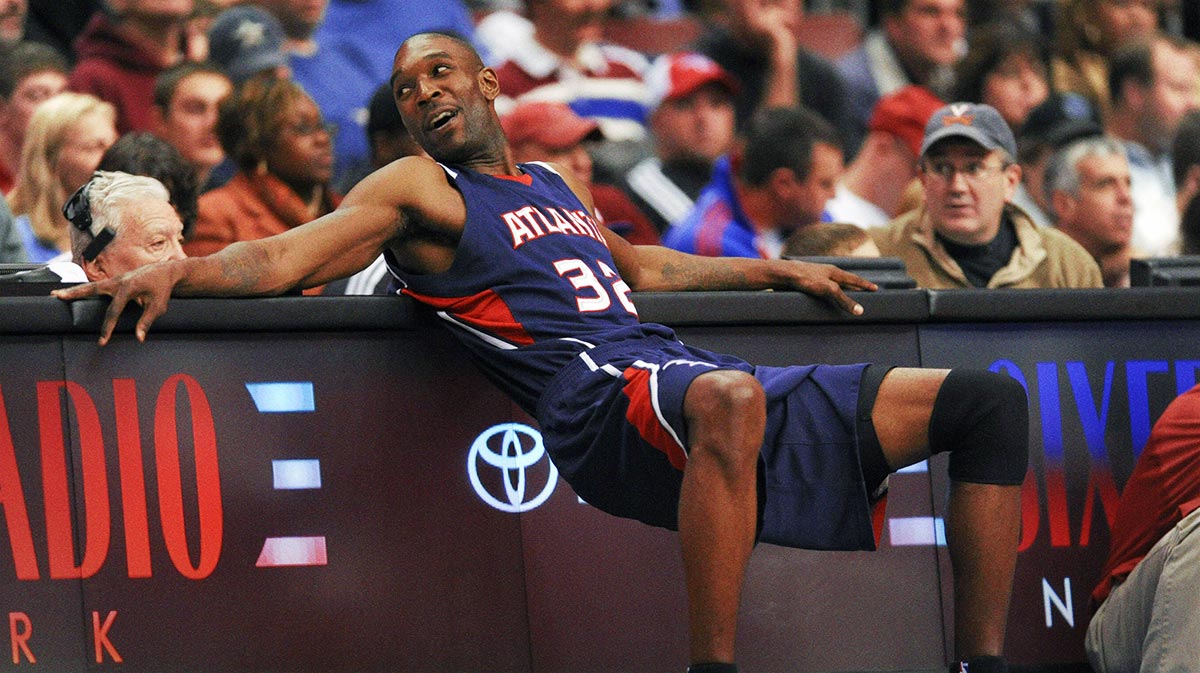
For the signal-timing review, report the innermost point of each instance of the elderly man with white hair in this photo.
(121, 222)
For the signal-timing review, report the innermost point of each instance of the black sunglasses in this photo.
(78, 211)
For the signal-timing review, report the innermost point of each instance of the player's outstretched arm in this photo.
(655, 268)
(331, 247)
(650, 268)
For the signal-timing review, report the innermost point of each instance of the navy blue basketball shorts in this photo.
(613, 422)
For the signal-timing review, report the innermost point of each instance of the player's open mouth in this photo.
(441, 119)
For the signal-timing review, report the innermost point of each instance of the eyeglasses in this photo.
(973, 171)
(78, 211)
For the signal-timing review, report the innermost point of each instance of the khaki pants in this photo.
(1150, 623)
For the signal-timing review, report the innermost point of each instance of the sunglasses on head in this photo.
(78, 211)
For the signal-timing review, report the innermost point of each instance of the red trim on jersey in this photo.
(524, 178)
(640, 415)
(878, 516)
(485, 311)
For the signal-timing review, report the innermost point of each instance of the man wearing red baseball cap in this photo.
(870, 191)
(548, 131)
(692, 121)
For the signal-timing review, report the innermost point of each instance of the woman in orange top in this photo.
(284, 153)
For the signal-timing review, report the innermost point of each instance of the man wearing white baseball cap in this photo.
(968, 233)
(692, 121)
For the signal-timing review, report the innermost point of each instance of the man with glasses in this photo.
(968, 233)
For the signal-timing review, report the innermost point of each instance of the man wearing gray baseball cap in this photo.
(968, 233)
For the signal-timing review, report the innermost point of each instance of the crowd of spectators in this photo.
(726, 129)
(986, 144)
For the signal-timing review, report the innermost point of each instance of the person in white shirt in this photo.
(869, 193)
(120, 222)
(1154, 84)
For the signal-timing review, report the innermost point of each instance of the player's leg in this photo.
(982, 420)
(725, 413)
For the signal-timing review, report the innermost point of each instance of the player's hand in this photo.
(150, 287)
(828, 282)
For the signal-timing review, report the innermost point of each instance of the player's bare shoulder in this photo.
(576, 185)
(418, 190)
(427, 212)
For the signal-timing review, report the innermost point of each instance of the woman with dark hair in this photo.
(141, 153)
(1006, 67)
(273, 131)
(1087, 33)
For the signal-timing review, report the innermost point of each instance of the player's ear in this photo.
(489, 84)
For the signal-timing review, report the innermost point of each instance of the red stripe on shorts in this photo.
(641, 415)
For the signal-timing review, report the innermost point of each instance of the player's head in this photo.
(446, 98)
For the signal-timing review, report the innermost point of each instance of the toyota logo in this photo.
(518, 448)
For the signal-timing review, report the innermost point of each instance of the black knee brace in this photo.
(982, 420)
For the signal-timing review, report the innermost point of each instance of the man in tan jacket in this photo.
(968, 233)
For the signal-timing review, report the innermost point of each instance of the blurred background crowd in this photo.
(722, 127)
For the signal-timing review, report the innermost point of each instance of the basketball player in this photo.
(639, 424)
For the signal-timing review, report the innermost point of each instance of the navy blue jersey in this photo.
(534, 293)
(532, 280)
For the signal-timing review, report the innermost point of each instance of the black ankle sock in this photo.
(712, 668)
(987, 664)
